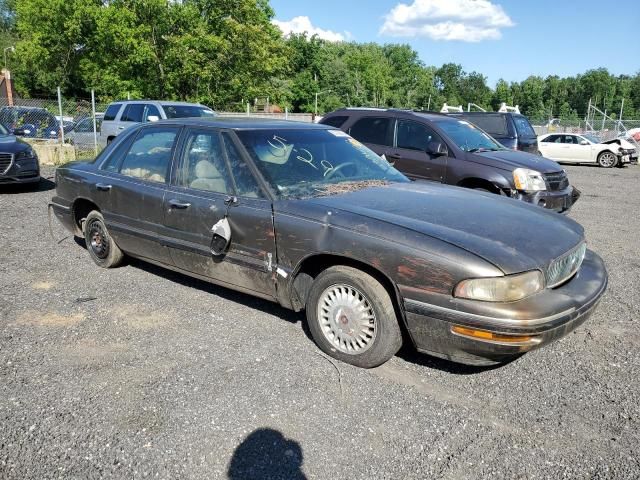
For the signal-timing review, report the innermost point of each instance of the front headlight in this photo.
(26, 154)
(501, 289)
(528, 180)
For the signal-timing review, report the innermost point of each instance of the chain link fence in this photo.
(77, 122)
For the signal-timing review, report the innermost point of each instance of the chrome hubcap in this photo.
(347, 319)
(607, 159)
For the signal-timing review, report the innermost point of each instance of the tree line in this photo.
(225, 53)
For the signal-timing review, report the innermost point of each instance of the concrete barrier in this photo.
(50, 152)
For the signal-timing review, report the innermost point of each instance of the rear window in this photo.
(112, 111)
(133, 113)
(337, 121)
(495, 125)
(186, 111)
(373, 130)
(523, 127)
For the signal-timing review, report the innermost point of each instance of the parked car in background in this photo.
(81, 134)
(308, 217)
(447, 149)
(33, 122)
(574, 148)
(513, 130)
(18, 161)
(121, 115)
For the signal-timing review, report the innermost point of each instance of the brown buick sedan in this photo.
(306, 216)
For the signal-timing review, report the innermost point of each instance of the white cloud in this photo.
(303, 24)
(463, 20)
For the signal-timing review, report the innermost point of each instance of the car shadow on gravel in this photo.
(44, 185)
(265, 306)
(409, 354)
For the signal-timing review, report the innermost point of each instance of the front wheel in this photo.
(351, 317)
(103, 250)
(607, 160)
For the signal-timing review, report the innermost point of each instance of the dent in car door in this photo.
(204, 192)
(410, 154)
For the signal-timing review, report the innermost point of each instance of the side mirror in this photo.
(437, 149)
(584, 142)
(19, 131)
(153, 118)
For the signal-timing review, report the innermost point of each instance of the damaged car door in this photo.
(214, 191)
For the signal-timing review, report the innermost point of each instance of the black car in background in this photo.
(446, 149)
(513, 130)
(18, 161)
(32, 122)
(308, 217)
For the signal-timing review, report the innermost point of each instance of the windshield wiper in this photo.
(482, 149)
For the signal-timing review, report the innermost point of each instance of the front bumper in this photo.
(559, 201)
(545, 317)
(21, 171)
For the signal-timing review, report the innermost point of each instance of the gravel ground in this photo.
(138, 372)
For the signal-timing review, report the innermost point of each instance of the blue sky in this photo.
(508, 39)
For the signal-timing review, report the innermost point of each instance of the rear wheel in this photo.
(607, 159)
(103, 250)
(352, 318)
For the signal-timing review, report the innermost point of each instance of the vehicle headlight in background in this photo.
(501, 289)
(528, 180)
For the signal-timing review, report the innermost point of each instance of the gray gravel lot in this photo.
(139, 372)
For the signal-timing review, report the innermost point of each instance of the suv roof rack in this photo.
(449, 108)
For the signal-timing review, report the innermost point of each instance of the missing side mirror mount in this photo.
(221, 237)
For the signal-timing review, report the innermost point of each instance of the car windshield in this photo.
(185, 111)
(3, 130)
(468, 137)
(308, 162)
(592, 138)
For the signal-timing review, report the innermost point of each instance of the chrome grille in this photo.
(561, 269)
(5, 162)
(556, 181)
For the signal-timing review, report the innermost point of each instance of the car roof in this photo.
(241, 123)
(394, 111)
(163, 102)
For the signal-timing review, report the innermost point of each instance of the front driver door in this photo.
(410, 154)
(212, 181)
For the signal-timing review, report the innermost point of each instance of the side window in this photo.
(133, 113)
(245, 182)
(373, 130)
(415, 136)
(112, 111)
(85, 125)
(337, 121)
(150, 154)
(569, 139)
(115, 152)
(551, 139)
(151, 111)
(204, 166)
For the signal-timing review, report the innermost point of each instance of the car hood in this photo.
(512, 235)
(620, 141)
(519, 159)
(12, 144)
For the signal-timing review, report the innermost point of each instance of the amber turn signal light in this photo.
(494, 337)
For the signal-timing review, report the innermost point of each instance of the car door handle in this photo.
(178, 205)
(103, 187)
(395, 156)
(120, 127)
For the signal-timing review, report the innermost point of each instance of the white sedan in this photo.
(574, 148)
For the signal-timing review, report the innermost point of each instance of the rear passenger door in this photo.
(131, 194)
(410, 154)
(212, 181)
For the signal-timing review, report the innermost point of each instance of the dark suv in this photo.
(429, 146)
(512, 130)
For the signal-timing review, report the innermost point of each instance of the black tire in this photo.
(604, 159)
(102, 249)
(387, 339)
